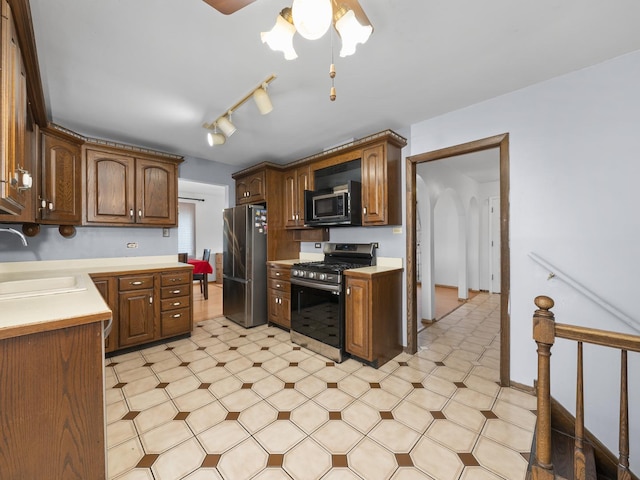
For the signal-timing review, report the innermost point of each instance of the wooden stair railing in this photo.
(545, 331)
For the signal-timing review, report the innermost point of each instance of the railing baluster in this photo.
(579, 462)
(544, 335)
(623, 464)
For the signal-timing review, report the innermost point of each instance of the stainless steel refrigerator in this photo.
(244, 265)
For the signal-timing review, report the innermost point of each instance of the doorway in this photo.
(501, 143)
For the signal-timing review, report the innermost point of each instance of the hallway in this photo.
(230, 403)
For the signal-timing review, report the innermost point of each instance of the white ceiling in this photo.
(151, 72)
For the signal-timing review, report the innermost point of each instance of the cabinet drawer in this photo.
(175, 291)
(174, 303)
(135, 282)
(175, 322)
(174, 278)
(279, 284)
(283, 273)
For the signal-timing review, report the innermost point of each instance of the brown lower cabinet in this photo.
(147, 305)
(279, 294)
(373, 317)
(52, 422)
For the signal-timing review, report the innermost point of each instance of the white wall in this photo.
(574, 174)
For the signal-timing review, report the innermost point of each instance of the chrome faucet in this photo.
(15, 232)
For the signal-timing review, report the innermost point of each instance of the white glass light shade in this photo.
(263, 102)
(280, 38)
(351, 32)
(226, 126)
(312, 18)
(215, 139)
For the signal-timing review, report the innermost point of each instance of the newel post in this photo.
(544, 335)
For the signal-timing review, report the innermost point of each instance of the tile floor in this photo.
(230, 403)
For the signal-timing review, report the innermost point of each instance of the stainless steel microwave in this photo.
(337, 206)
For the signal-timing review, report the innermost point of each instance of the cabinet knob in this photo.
(43, 203)
(278, 285)
(139, 213)
(349, 291)
(364, 210)
(131, 212)
(51, 206)
(277, 274)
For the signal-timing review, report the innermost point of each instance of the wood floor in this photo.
(207, 309)
(447, 301)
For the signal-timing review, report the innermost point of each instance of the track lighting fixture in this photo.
(262, 101)
(312, 18)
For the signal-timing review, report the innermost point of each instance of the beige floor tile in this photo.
(412, 416)
(204, 474)
(369, 374)
(518, 398)
(427, 399)
(121, 431)
(407, 473)
(173, 374)
(371, 461)
(353, 386)
(213, 373)
(279, 436)
(222, 388)
(436, 460)
(508, 434)
(331, 374)
(333, 399)
(240, 400)
(394, 435)
(499, 459)
(222, 437)
(206, 417)
(272, 474)
(340, 474)
(465, 416)
(287, 399)
(136, 474)
(337, 437)
(194, 400)
(518, 416)
(310, 386)
(361, 416)
(243, 461)
(167, 364)
(452, 435)
(135, 374)
(309, 416)
(312, 364)
(183, 386)
(478, 473)
(268, 386)
(258, 416)
(381, 399)
(165, 436)
(124, 457)
(147, 399)
(155, 416)
(291, 374)
(252, 374)
(307, 460)
(179, 461)
(238, 365)
(473, 399)
(116, 411)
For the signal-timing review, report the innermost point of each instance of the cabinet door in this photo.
(60, 196)
(374, 186)
(136, 315)
(250, 188)
(357, 321)
(108, 289)
(295, 183)
(14, 115)
(156, 197)
(110, 188)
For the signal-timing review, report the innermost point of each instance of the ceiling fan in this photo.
(228, 6)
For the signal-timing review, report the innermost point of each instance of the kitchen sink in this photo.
(35, 287)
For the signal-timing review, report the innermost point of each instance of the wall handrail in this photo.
(556, 273)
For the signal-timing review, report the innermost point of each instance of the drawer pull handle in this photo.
(278, 285)
(175, 291)
(177, 315)
(175, 304)
(277, 274)
(135, 283)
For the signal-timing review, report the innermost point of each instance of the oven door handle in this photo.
(319, 286)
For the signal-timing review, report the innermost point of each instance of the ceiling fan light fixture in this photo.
(312, 18)
(351, 31)
(226, 126)
(262, 100)
(280, 37)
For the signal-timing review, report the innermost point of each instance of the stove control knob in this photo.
(323, 276)
(295, 273)
(311, 275)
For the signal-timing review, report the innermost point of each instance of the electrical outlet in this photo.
(375, 245)
(132, 245)
(165, 232)
(318, 245)
(397, 230)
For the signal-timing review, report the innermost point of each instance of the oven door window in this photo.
(318, 314)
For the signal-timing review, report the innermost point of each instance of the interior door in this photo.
(494, 244)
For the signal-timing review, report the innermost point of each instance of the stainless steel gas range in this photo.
(317, 297)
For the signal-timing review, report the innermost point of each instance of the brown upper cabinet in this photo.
(296, 181)
(250, 188)
(127, 190)
(381, 191)
(13, 117)
(60, 198)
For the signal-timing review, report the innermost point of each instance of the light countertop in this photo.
(22, 316)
